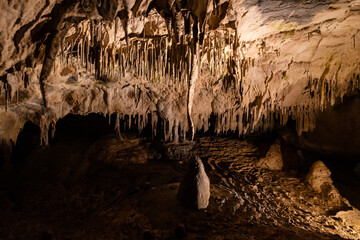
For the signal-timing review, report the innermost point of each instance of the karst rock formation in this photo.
(248, 65)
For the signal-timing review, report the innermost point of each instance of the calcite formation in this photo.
(320, 181)
(319, 176)
(273, 159)
(175, 69)
(194, 189)
(249, 64)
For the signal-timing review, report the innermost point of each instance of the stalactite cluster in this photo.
(193, 52)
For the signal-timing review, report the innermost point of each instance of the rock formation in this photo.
(251, 64)
(174, 70)
(319, 176)
(273, 159)
(194, 189)
(319, 179)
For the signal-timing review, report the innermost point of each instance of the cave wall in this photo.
(337, 132)
(251, 64)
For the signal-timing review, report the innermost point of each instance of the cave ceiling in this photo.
(249, 63)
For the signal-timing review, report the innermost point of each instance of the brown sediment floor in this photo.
(126, 189)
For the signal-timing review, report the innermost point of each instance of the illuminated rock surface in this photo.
(319, 176)
(259, 62)
(194, 189)
(319, 179)
(273, 159)
(173, 72)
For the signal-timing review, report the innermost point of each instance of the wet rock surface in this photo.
(122, 189)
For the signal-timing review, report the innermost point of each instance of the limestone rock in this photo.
(319, 179)
(68, 70)
(194, 190)
(351, 217)
(319, 176)
(273, 159)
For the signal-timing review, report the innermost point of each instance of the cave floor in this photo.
(126, 189)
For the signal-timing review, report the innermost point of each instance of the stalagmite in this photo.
(194, 189)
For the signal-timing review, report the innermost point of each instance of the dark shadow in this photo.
(5, 153)
(70, 185)
(93, 126)
(27, 141)
(89, 127)
(345, 179)
(337, 129)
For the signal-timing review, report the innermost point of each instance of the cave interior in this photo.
(179, 119)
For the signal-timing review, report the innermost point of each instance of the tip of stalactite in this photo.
(177, 59)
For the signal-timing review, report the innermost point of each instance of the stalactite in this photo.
(44, 130)
(191, 92)
(120, 62)
(179, 65)
(138, 63)
(77, 53)
(153, 63)
(154, 122)
(87, 55)
(166, 59)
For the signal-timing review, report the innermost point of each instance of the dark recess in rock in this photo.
(27, 141)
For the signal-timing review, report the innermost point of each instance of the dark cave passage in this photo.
(72, 126)
(27, 141)
(88, 176)
(109, 184)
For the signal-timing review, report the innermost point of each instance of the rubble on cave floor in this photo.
(125, 189)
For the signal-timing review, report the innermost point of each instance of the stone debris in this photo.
(143, 200)
(352, 218)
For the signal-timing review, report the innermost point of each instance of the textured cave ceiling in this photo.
(250, 63)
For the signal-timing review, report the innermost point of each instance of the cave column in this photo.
(194, 75)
